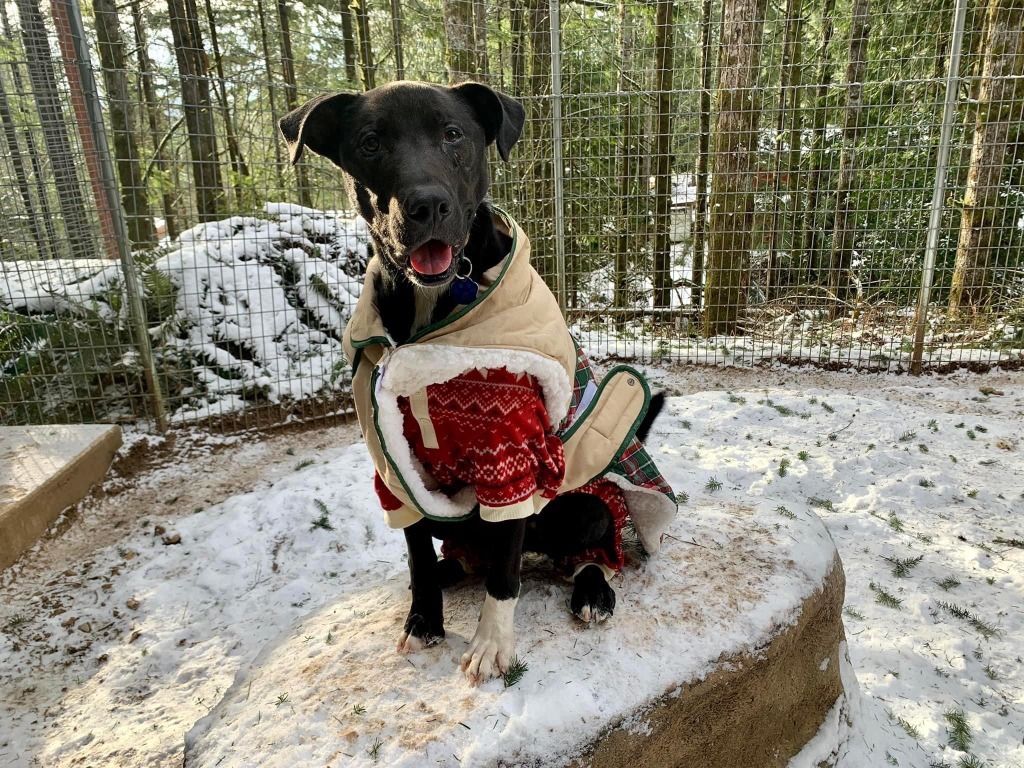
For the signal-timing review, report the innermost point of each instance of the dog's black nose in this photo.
(428, 205)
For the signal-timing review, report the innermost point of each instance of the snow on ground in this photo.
(896, 469)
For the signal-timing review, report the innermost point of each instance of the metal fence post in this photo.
(556, 140)
(133, 286)
(939, 192)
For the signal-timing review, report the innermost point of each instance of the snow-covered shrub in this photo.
(240, 311)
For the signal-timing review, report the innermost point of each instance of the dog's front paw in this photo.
(593, 599)
(491, 648)
(419, 633)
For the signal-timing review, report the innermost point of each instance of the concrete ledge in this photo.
(43, 471)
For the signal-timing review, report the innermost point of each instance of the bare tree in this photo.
(239, 167)
(811, 242)
(122, 123)
(34, 156)
(998, 111)
(21, 175)
(518, 45)
(348, 42)
(843, 241)
(664, 56)
(268, 69)
(538, 190)
(396, 39)
(291, 93)
(480, 39)
(732, 191)
(89, 139)
(54, 129)
(155, 121)
(367, 69)
(700, 213)
(460, 50)
(787, 159)
(198, 109)
(628, 154)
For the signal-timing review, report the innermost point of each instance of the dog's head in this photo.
(416, 158)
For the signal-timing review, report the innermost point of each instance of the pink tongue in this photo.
(431, 258)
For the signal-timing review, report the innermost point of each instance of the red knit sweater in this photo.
(491, 430)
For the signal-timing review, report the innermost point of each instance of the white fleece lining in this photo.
(650, 510)
(424, 364)
(409, 369)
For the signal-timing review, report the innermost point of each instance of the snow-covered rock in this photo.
(725, 650)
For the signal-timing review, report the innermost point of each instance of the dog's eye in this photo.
(370, 144)
(451, 135)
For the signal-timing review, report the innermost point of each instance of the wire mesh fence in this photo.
(724, 181)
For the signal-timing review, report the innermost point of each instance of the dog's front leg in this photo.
(425, 624)
(491, 648)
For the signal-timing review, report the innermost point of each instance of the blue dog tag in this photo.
(464, 290)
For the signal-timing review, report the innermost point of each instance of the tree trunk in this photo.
(367, 70)
(122, 123)
(348, 41)
(517, 28)
(54, 130)
(732, 190)
(538, 191)
(197, 108)
(155, 121)
(664, 50)
(396, 39)
(42, 242)
(34, 156)
(480, 39)
(1000, 101)
(268, 68)
(700, 214)
(460, 51)
(843, 240)
(291, 94)
(811, 245)
(88, 140)
(789, 97)
(239, 167)
(627, 161)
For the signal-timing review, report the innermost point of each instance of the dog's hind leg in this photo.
(490, 650)
(425, 624)
(575, 530)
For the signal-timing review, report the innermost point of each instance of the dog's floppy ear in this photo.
(501, 116)
(317, 124)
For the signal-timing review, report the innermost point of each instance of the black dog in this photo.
(415, 161)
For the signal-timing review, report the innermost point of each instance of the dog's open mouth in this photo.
(432, 259)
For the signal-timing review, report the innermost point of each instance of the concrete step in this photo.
(44, 470)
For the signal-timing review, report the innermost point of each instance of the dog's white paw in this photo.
(491, 648)
(410, 644)
(590, 615)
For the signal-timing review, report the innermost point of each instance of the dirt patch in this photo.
(155, 480)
